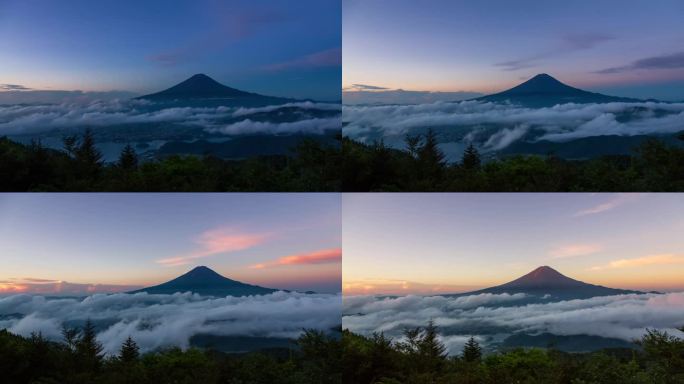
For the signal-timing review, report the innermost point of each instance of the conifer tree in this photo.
(471, 158)
(128, 160)
(88, 348)
(430, 346)
(472, 351)
(129, 351)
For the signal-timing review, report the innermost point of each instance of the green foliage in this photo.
(654, 166)
(79, 360)
(79, 167)
(376, 360)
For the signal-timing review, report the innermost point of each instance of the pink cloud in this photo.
(324, 256)
(327, 58)
(217, 241)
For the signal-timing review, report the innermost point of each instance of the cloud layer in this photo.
(623, 317)
(156, 321)
(499, 125)
(33, 119)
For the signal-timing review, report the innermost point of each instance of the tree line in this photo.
(421, 166)
(79, 359)
(421, 358)
(79, 166)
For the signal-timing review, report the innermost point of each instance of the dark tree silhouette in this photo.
(129, 351)
(128, 160)
(88, 348)
(472, 351)
(471, 158)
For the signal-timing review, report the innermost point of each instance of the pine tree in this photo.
(430, 346)
(88, 348)
(431, 158)
(471, 158)
(87, 153)
(472, 351)
(129, 351)
(128, 160)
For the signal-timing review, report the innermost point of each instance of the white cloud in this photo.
(505, 123)
(171, 320)
(623, 317)
(33, 119)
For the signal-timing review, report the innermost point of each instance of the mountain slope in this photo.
(547, 281)
(206, 282)
(545, 91)
(203, 87)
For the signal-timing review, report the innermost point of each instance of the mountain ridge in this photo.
(543, 90)
(544, 280)
(202, 87)
(206, 282)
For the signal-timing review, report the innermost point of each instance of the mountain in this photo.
(545, 281)
(206, 282)
(201, 87)
(545, 91)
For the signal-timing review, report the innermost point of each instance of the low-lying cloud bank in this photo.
(503, 124)
(155, 321)
(623, 317)
(34, 119)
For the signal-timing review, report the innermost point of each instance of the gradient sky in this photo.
(490, 45)
(281, 48)
(288, 241)
(422, 243)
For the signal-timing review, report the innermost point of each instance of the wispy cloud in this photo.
(323, 256)
(574, 250)
(327, 58)
(57, 287)
(218, 241)
(399, 287)
(229, 26)
(364, 87)
(662, 259)
(669, 61)
(13, 87)
(566, 44)
(618, 200)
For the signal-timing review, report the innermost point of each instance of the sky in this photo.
(619, 47)
(278, 48)
(112, 242)
(436, 243)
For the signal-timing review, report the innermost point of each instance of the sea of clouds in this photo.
(563, 122)
(155, 321)
(20, 119)
(623, 317)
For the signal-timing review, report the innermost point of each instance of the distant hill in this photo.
(206, 282)
(545, 281)
(545, 91)
(201, 87)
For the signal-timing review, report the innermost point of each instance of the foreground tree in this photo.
(472, 352)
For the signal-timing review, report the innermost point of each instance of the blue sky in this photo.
(622, 47)
(279, 48)
(145, 239)
(458, 241)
